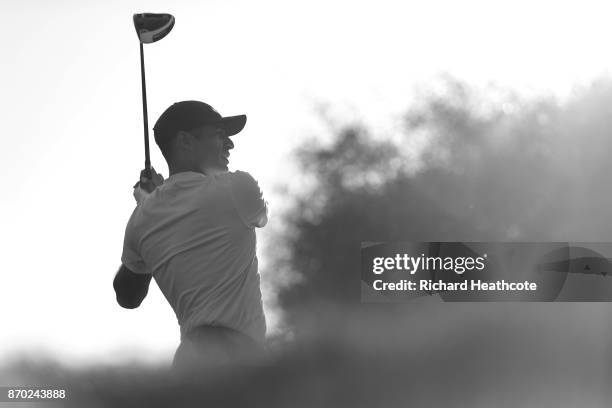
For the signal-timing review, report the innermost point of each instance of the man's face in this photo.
(211, 148)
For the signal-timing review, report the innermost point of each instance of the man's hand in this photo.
(146, 185)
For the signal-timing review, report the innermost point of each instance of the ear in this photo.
(184, 139)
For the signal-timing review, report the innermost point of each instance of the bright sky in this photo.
(72, 121)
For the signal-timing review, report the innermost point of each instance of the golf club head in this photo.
(152, 27)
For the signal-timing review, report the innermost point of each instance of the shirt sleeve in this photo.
(248, 200)
(131, 257)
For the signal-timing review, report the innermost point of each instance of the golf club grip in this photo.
(145, 182)
(146, 173)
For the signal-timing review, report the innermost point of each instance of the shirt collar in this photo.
(184, 175)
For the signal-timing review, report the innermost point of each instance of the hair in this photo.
(165, 141)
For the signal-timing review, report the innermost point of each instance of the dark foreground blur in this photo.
(426, 354)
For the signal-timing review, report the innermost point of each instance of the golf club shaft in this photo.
(144, 114)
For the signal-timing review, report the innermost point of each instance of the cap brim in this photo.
(233, 124)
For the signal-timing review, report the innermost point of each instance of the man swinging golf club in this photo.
(195, 234)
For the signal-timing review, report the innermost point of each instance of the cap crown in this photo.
(185, 115)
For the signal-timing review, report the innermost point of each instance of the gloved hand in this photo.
(145, 185)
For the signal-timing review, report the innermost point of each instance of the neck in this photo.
(182, 168)
(207, 171)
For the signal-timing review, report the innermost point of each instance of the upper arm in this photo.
(131, 257)
(130, 288)
(248, 200)
(132, 280)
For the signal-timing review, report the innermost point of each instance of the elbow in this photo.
(262, 222)
(128, 300)
(263, 219)
(127, 303)
(130, 294)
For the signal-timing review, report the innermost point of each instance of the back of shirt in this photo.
(195, 234)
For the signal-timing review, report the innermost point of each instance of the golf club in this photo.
(150, 28)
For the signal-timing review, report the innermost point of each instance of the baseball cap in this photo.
(189, 115)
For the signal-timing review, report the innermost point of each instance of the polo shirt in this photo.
(195, 235)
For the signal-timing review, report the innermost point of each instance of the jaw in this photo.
(224, 159)
(216, 167)
(214, 160)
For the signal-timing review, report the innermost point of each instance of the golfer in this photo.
(195, 234)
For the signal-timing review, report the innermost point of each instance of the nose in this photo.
(227, 143)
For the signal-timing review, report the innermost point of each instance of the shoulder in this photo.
(239, 179)
(141, 213)
(243, 186)
(134, 220)
(238, 176)
(247, 198)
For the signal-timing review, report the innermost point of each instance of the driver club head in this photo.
(152, 27)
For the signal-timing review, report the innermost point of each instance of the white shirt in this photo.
(195, 234)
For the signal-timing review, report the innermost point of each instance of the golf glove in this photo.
(146, 185)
